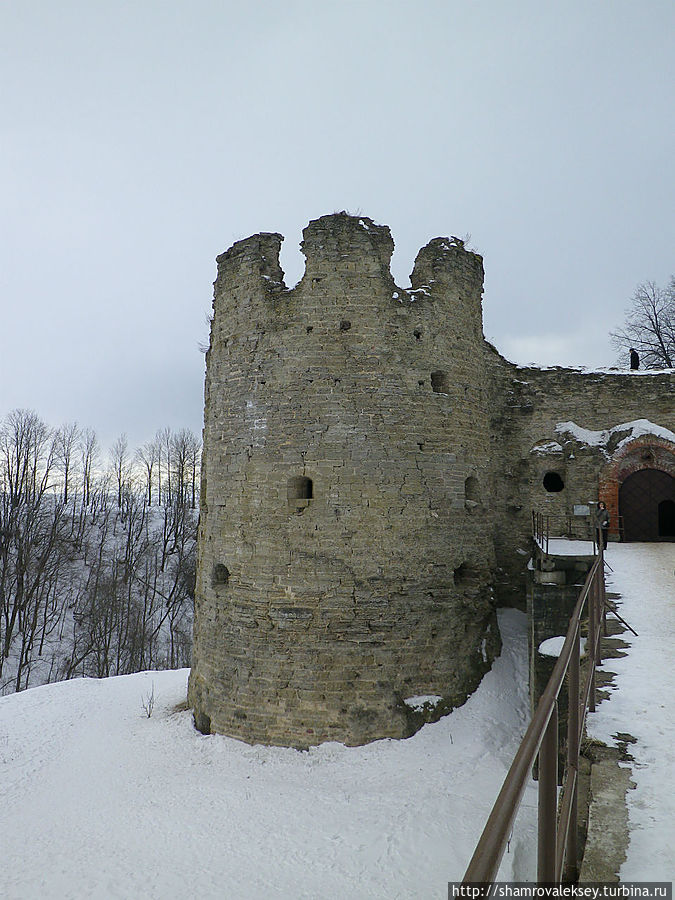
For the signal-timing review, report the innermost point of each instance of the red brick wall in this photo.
(645, 452)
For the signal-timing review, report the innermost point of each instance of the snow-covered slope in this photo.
(98, 800)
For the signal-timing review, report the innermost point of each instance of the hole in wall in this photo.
(418, 334)
(345, 325)
(553, 482)
(471, 491)
(440, 382)
(310, 329)
(464, 575)
(300, 488)
(221, 574)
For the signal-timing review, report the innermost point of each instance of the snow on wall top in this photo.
(547, 447)
(630, 430)
(594, 370)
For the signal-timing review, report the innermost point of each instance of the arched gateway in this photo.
(647, 506)
(638, 486)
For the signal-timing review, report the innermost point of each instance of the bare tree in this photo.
(27, 454)
(34, 531)
(89, 456)
(121, 466)
(185, 453)
(165, 438)
(92, 582)
(66, 443)
(162, 448)
(650, 326)
(147, 457)
(194, 458)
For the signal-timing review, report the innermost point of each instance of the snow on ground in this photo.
(565, 547)
(100, 801)
(641, 702)
(553, 646)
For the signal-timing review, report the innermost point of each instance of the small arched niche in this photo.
(300, 488)
(300, 492)
(440, 383)
(471, 489)
(220, 574)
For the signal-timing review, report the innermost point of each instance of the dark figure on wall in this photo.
(634, 359)
(602, 521)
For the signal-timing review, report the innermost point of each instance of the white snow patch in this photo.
(635, 429)
(597, 370)
(411, 295)
(552, 646)
(546, 448)
(423, 292)
(565, 547)
(641, 703)
(583, 435)
(418, 703)
(98, 800)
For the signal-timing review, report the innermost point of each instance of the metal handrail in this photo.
(546, 526)
(557, 840)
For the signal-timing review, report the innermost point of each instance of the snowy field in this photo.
(641, 703)
(100, 801)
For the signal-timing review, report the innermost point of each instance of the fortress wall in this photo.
(526, 404)
(315, 617)
(369, 471)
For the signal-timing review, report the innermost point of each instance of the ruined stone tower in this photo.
(344, 556)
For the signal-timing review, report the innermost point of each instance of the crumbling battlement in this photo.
(345, 559)
(370, 466)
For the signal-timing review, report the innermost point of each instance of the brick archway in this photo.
(645, 452)
(644, 505)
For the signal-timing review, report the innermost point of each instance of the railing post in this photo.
(572, 851)
(603, 595)
(548, 799)
(592, 605)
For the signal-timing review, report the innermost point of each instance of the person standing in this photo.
(602, 523)
(634, 359)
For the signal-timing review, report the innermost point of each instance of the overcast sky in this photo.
(140, 138)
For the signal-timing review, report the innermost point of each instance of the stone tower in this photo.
(344, 552)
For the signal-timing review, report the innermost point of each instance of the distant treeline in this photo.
(97, 556)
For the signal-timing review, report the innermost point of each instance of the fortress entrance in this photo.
(647, 506)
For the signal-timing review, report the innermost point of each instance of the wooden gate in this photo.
(646, 501)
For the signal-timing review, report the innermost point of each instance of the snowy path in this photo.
(642, 703)
(97, 800)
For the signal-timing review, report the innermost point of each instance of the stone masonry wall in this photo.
(369, 471)
(345, 553)
(525, 405)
